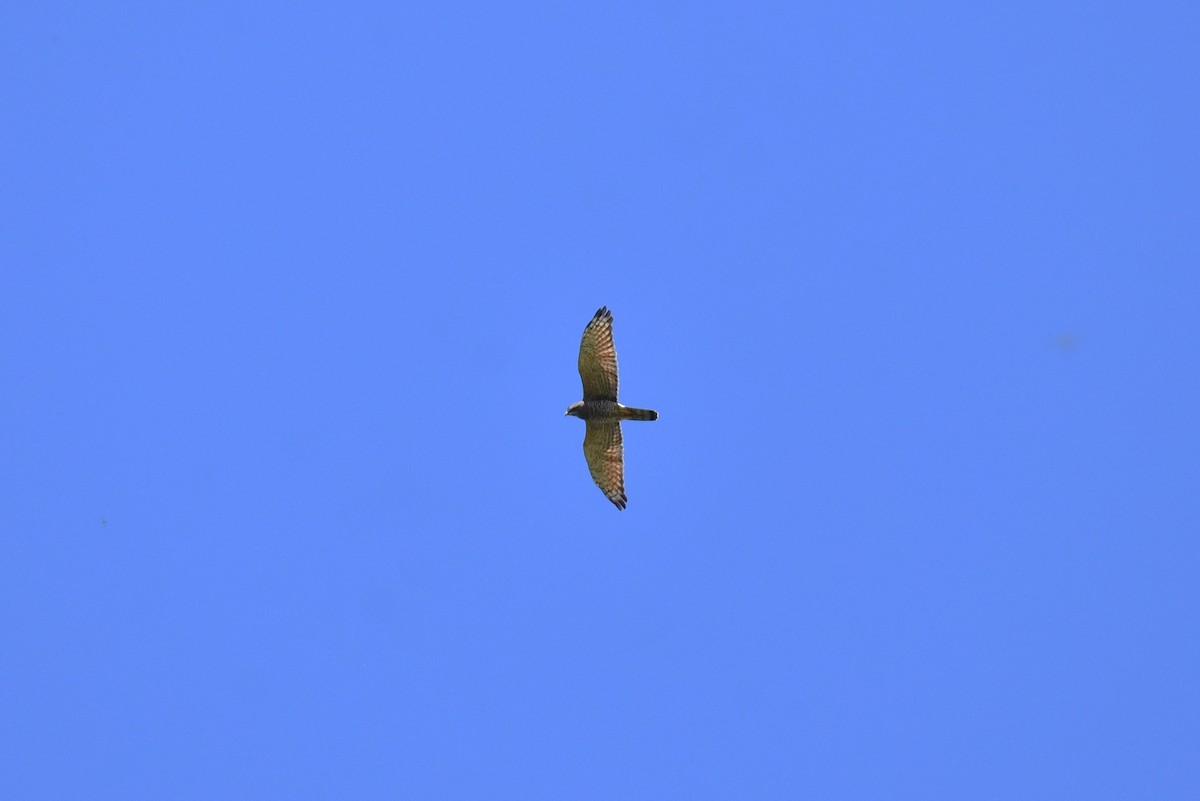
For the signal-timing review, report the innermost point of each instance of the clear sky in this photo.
(290, 303)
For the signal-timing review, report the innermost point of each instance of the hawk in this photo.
(600, 410)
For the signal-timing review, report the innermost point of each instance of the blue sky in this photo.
(290, 303)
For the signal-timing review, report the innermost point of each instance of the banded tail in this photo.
(630, 413)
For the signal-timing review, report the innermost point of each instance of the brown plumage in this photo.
(599, 409)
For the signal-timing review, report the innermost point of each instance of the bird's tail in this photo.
(630, 413)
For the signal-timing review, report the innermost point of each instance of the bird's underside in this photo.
(599, 409)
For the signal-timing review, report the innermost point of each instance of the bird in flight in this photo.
(599, 408)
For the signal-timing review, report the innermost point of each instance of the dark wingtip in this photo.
(602, 312)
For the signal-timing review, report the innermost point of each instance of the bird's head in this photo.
(575, 408)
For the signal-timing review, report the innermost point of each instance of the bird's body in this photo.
(602, 444)
(606, 410)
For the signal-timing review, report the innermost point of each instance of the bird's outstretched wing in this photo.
(602, 447)
(598, 359)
